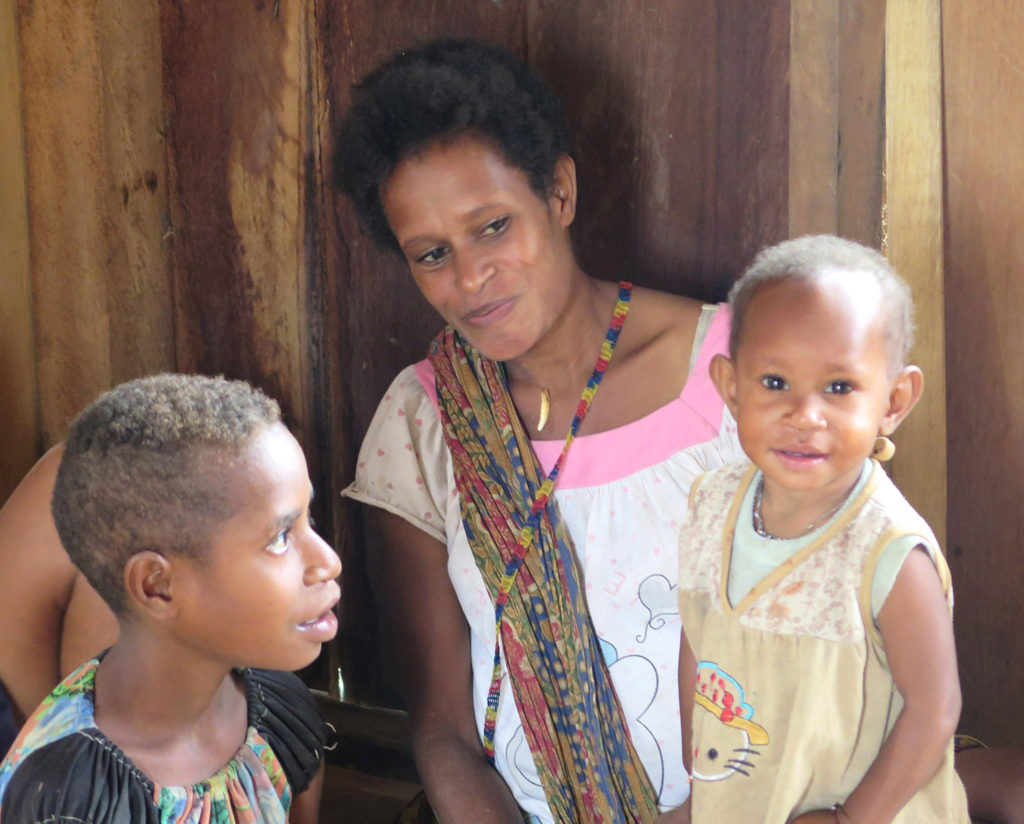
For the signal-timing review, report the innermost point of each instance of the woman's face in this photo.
(487, 253)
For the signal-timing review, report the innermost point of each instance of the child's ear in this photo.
(905, 393)
(723, 376)
(148, 577)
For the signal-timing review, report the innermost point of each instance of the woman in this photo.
(458, 157)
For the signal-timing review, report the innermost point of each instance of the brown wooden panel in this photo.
(913, 240)
(813, 117)
(861, 135)
(383, 324)
(95, 169)
(984, 121)
(19, 437)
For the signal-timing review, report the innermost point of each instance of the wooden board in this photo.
(984, 121)
(913, 238)
(19, 409)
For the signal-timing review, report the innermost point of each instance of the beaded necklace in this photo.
(543, 494)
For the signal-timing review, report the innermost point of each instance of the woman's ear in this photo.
(904, 395)
(148, 578)
(563, 191)
(723, 376)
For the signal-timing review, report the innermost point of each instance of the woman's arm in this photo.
(45, 605)
(430, 645)
(918, 638)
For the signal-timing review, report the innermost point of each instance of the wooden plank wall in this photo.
(984, 120)
(664, 97)
(179, 214)
(18, 397)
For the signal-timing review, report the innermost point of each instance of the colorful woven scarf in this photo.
(571, 716)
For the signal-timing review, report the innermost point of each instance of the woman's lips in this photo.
(489, 313)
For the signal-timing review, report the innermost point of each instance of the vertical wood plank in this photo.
(861, 136)
(913, 106)
(370, 302)
(19, 437)
(95, 162)
(984, 120)
(813, 117)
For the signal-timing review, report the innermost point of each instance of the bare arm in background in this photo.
(430, 644)
(51, 620)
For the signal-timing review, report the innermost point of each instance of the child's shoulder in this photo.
(285, 714)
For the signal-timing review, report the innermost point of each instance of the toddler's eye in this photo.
(496, 226)
(773, 383)
(279, 546)
(839, 388)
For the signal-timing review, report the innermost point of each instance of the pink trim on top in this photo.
(603, 457)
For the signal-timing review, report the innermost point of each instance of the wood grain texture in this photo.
(95, 163)
(814, 100)
(984, 121)
(913, 118)
(370, 302)
(19, 408)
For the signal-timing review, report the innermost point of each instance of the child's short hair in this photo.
(437, 91)
(804, 257)
(144, 469)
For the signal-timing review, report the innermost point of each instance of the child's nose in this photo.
(807, 413)
(322, 562)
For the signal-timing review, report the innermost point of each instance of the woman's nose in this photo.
(473, 270)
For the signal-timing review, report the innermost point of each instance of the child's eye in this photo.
(773, 383)
(433, 256)
(839, 388)
(279, 546)
(495, 227)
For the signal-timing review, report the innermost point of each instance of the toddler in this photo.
(818, 653)
(185, 503)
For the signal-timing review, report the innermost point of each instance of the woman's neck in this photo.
(563, 360)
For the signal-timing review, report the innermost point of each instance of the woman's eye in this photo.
(773, 383)
(496, 226)
(839, 388)
(434, 256)
(279, 546)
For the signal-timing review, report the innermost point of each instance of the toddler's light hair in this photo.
(805, 257)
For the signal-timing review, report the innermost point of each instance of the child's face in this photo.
(810, 386)
(264, 593)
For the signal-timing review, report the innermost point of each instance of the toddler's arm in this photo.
(918, 638)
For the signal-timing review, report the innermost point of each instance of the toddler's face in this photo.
(811, 388)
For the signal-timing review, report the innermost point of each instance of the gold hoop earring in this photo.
(884, 449)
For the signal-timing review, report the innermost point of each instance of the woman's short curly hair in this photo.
(438, 91)
(146, 467)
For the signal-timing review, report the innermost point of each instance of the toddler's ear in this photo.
(904, 395)
(147, 579)
(723, 376)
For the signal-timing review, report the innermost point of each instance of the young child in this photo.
(185, 502)
(818, 647)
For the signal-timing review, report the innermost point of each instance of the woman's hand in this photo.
(430, 642)
(680, 815)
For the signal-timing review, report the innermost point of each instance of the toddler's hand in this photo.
(815, 817)
(680, 815)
